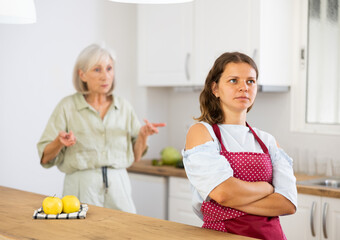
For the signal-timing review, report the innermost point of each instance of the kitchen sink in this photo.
(330, 182)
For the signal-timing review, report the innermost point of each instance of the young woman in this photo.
(242, 180)
(94, 135)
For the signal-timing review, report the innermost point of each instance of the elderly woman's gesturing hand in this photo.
(145, 131)
(67, 139)
(53, 149)
(150, 128)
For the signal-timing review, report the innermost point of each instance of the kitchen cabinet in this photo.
(317, 218)
(164, 44)
(220, 26)
(150, 195)
(271, 39)
(167, 198)
(180, 208)
(178, 44)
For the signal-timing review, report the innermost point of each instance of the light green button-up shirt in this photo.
(100, 142)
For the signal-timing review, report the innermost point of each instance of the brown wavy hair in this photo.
(210, 106)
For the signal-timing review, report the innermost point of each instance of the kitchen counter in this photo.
(17, 207)
(145, 167)
(316, 190)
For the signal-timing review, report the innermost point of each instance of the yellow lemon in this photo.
(70, 204)
(52, 205)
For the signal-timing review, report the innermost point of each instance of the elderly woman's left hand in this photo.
(145, 131)
(150, 128)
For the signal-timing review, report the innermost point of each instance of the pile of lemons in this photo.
(55, 205)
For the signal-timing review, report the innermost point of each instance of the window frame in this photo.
(299, 83)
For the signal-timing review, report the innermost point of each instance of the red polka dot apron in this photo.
(250, 167)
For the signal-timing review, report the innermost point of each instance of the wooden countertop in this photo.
(145, 167)
(316, 190)
(16, 222)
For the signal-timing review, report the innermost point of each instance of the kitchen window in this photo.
(316, 89)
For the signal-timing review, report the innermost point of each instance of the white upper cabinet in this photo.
(261, 29)
(272, 38)
(220, 26)
(178, 44)
(165, 44)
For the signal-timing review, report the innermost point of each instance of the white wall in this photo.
(156, 101)
(36, 63)
(271, 113)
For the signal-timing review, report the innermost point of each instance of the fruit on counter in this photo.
(156, 162)
(179, 164)
(52, 205)
(70, 204)
(170, 156)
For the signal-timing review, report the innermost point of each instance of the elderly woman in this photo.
(94, 135)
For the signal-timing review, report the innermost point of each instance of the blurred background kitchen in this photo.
(163, 54)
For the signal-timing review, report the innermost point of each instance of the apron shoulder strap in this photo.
(263, 146)
(218, 135)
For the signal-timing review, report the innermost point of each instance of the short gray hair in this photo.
(87, 58)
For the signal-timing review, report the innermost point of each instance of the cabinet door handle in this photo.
(312, 211)
(187, 72)
(302, 57)
(255, 55)
(324, 218)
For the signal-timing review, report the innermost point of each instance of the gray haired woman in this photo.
(94, 135)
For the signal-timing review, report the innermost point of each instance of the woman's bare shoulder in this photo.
(198, 134)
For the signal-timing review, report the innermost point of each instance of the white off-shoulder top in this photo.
(206, 168)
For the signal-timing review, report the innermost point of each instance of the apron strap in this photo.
(263, 146)
(218, 135)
